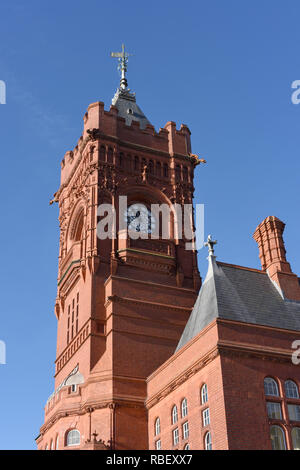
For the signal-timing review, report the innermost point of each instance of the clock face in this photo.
(139, 218)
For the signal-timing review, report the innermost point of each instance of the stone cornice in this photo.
(234, 348)
(89, 406)
(156, 305)
(148, 283)
(255, 325)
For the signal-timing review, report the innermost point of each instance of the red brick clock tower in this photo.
(122, 303)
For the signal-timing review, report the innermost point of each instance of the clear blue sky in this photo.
(223, 68)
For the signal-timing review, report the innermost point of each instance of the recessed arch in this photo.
(76, 225)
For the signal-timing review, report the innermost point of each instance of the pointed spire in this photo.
(124, 99)
(122, 65)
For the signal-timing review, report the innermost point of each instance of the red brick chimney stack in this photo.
(268, 236)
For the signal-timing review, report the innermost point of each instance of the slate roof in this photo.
(239, 294)
(128, 109)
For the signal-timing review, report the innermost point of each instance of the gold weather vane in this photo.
(122, 66)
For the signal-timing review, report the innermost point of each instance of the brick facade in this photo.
(121, 304)
(124, 305)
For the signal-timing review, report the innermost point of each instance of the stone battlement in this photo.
(110, 126)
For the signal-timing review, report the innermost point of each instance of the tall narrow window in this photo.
(204, 395)
(68, 325)
(166, 170)
(271, 387)
(128, 162)
(277, 438)
(73, 311)
(158, 169)
(207, 441)
(77, 312)
(205, 417)
(296, 438)
(151, 167)
(158, 444)
(102, 153)
(110, 155)
(136, 163)
(177, 173)
(185, 430)
(185, 174)
(157, 427)
(175, 436)
(184, 408)
(174, 414)
(291, 389)
(57, 443)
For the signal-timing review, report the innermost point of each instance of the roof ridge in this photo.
(246, 268)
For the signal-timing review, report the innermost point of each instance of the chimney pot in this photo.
(269, 237)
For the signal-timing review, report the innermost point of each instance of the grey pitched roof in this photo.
(128, 109)
(239, 294)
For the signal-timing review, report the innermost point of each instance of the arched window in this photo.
(296, 438)
(174, 414)
(51, 445)
(204, 395)
(73, 438)
(184, 408)
(277, 438)
(271, 387)
(207, 441)
(57, 442)
(291, 389)
(187, 447)
(157, 427)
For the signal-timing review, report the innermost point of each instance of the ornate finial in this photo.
(122, 67)
(210, 243)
